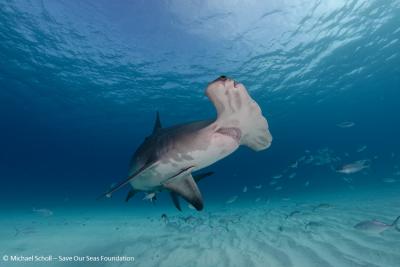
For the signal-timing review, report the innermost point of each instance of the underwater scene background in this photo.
(80, 84)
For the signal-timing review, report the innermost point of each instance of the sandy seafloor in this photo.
(238, 234)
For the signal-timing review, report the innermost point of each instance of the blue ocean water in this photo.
(81, 82)
(80, 85)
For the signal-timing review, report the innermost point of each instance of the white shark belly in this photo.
(149, 180)
(220, 146)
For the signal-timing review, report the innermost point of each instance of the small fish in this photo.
(25, 230)
(276, 177)
(273, 182)
(354, 167)
(245, 189)
(164, 218)
(302, 158)
(375, 226)
(190, 206)
(313, 224)
(361, 149)
(345, 124)
(43, 212)
(397, 173)
(291, 176)
(231, 200)
(294, 165)
(292, 214)
(189, 219)
(347, 179)
(150, 197)
(257, 199)
(306, 184)
(309, 160)
(258, 186)
(322, 206)
(389, 180)
(278, 188)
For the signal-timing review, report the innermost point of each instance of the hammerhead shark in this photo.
(167, 158)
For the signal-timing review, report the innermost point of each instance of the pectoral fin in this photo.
(187, 188)
(201, 176)
(131, 193)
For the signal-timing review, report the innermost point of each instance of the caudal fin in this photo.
(236, 109)
(395, 223)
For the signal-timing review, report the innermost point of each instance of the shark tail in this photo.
(395, 223)
(237, 110)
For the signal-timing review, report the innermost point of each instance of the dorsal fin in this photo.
(157, 124)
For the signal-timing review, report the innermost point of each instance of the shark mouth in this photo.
(234, 133)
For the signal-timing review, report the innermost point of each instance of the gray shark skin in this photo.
(166, 159)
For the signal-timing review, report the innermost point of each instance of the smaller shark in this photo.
(167, 158)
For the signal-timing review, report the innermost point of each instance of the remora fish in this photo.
(375, 226)
(167, 158)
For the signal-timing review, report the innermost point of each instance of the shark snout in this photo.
(225, 81)
(221, 78)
